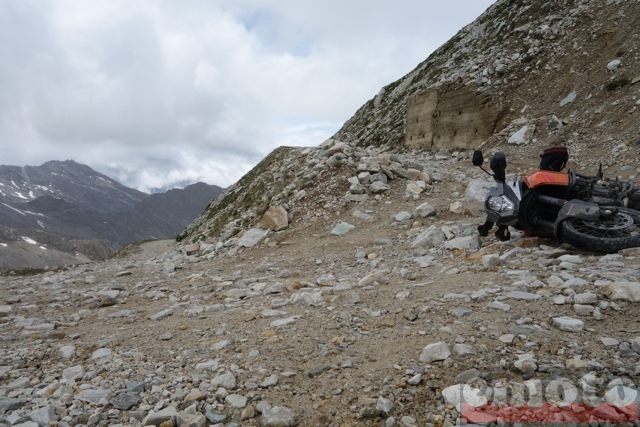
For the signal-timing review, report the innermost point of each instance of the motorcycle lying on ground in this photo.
(589, 212)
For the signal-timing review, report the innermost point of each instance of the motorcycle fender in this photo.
(577, 209)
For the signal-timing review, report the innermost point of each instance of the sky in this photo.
(157, 93)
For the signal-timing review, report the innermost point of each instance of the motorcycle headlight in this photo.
(501, 204)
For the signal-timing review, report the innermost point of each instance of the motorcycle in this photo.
(589, 212)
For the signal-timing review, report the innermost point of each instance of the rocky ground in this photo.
(373, 307)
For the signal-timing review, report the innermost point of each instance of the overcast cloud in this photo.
(156, 92)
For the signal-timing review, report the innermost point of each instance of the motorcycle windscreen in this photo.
(539, 178)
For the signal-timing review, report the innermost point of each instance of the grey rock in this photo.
(73, 373)
(67, 352)
(522, 296)
(463, 350)
(236, 401)
(569, 99)
(622, 291)
(424, 210)
(312, 373)
(226, 380)
(497, 305)
(305, 298)
(187, 419)
(156, 418)
(470, 243)
(342, 229)
(283, 322)
(435, 352)
(162, 314)
(10, 404)
(101, 353)
(385, 406)
(93, 396)
(568, 324)
(215, 417)
(125, 401)
(614, 65)
(432, 237)
(278, 416)
(253, 237)
(135, 387)
(379, 187)
(270, 381)
(220, 345)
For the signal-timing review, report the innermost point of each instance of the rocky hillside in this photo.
(346, 284)
(535, 73)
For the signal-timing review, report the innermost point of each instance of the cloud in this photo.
(156, 91)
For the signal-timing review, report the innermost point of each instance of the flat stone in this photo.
(226, 380)
(342, 229)
(435, 352)
(622, 291)
(609, 342)
(93, 396)
(463, 350)
(568, 324)
(253, 237)
(283, 322)
(523, 296)
(497, 305)
(125, 401)
(73, 373)
(236, 401)
(456, 394)
(159, 417)
(278, 416)
(44, 416)
(424, 210)
(10, 404)
(270, 381)
(162, 314)
(220, 345)
(102, 353)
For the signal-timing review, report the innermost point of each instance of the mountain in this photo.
(523, 76)
(73, 182)
(66, 201)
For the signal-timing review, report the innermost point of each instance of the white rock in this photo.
(470, 243)
(624, 291)
(226, 380)
(424, 210)
(435, 352)
(432, 237)
(568, 324)
(614, 65)
(253, 237)
(456, 394)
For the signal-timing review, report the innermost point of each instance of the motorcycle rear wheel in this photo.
(609, 235)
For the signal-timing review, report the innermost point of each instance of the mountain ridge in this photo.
(72, 201)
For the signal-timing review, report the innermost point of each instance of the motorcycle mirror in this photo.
(498, 165)
(477, 159)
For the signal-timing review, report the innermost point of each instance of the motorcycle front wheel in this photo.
(610, 234)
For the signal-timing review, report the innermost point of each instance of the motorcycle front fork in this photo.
(502, 233)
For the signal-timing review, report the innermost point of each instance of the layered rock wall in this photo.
(458, 118)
